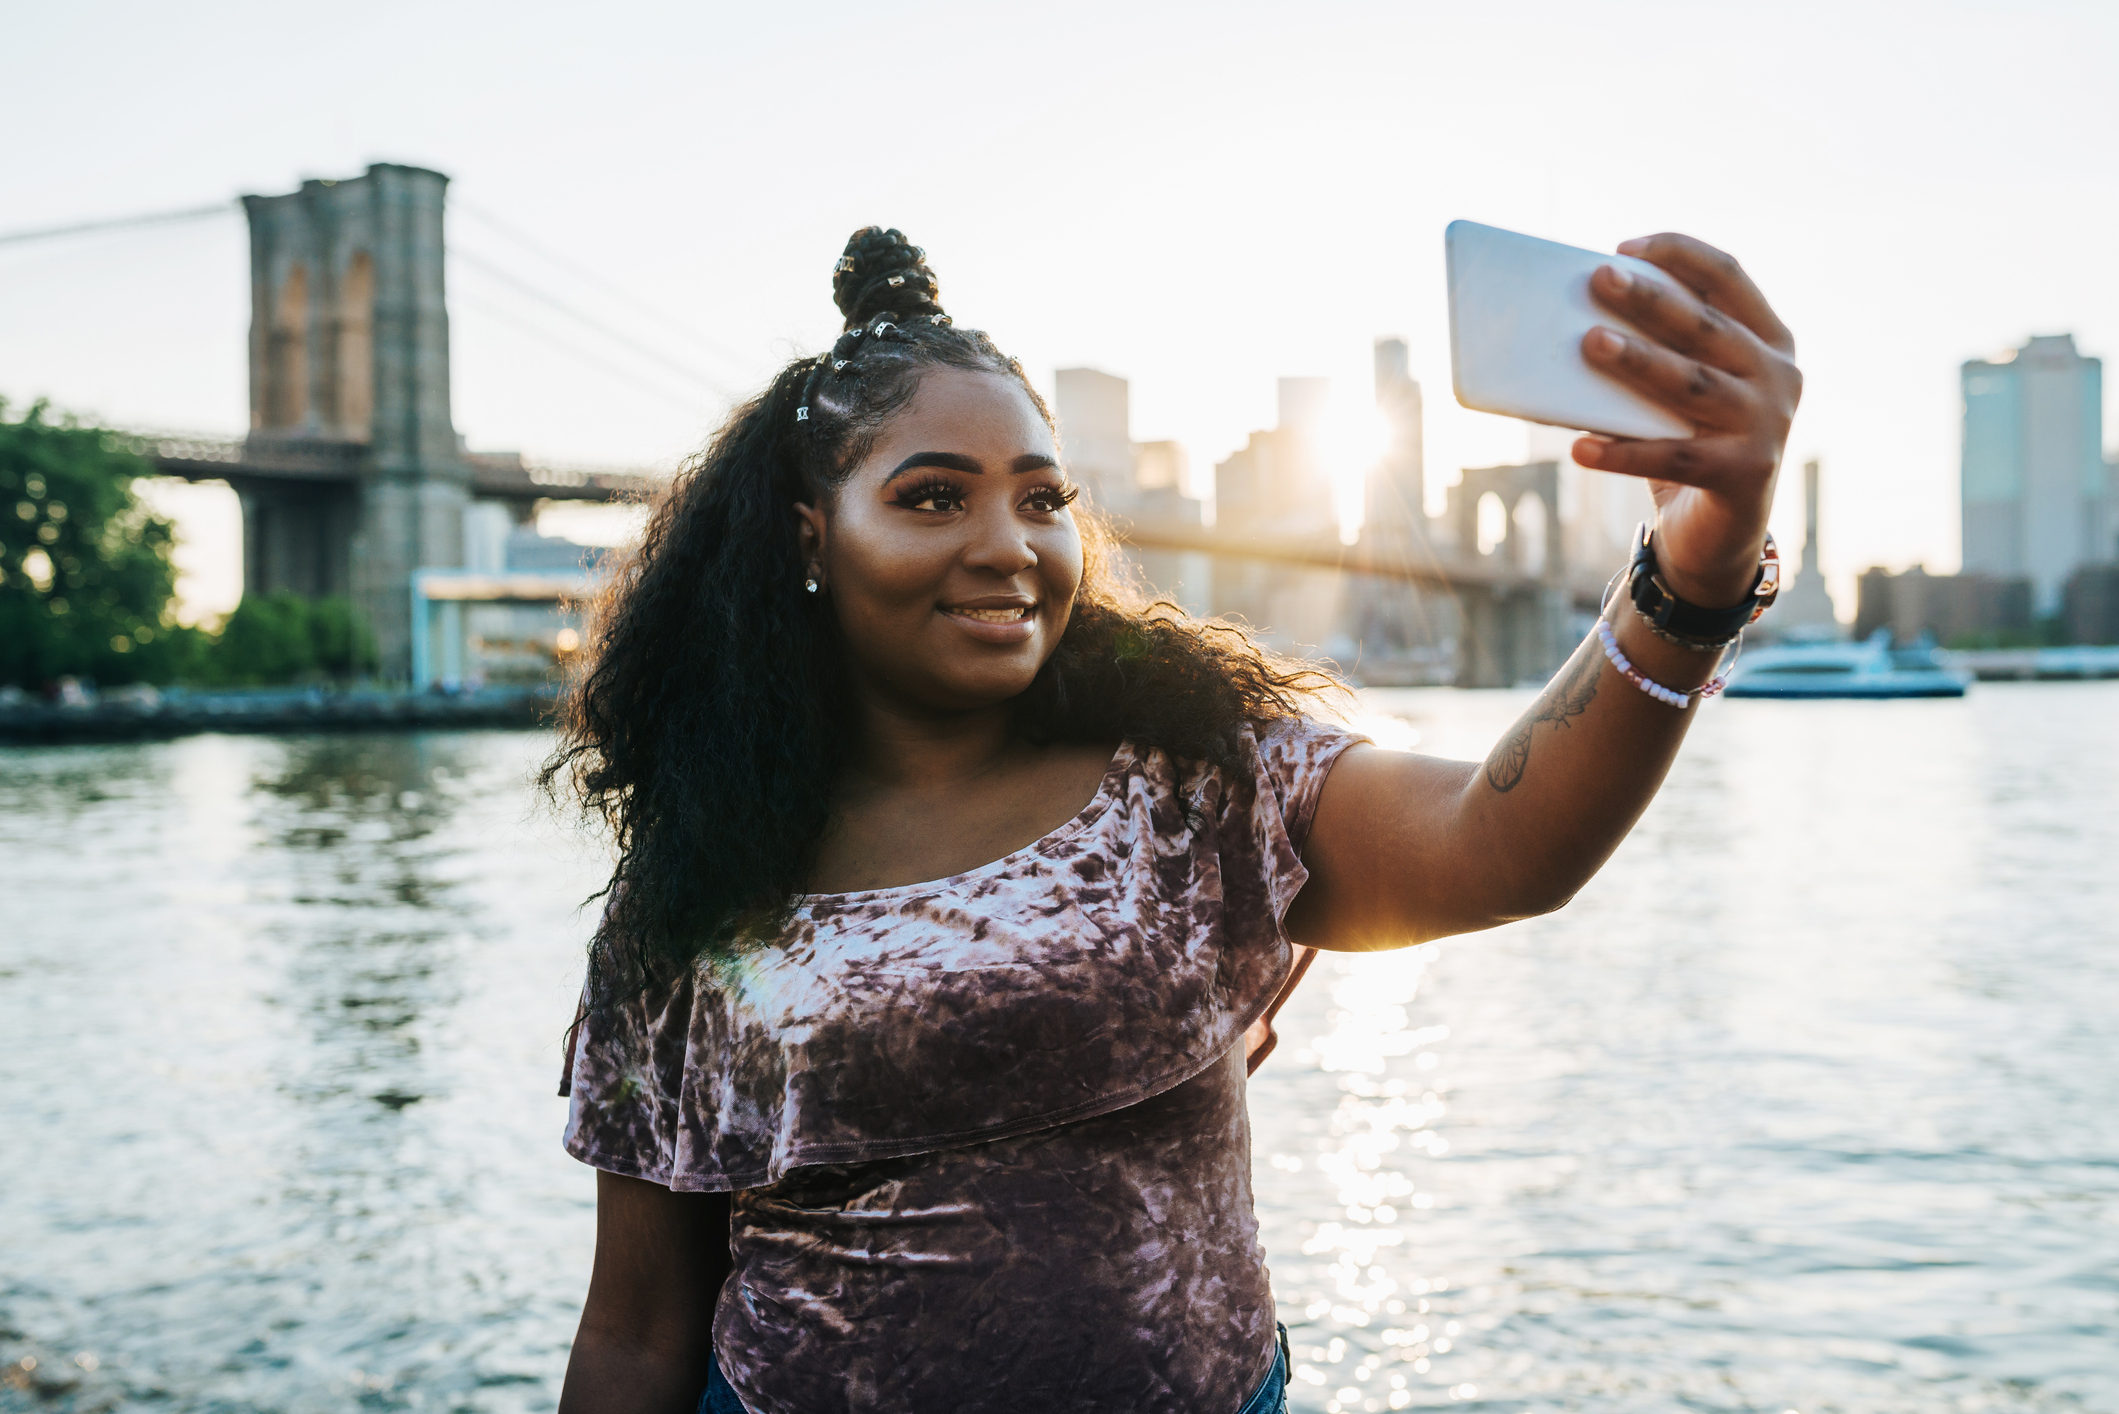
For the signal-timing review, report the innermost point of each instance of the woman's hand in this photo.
(1722, 361)
(1404, 847)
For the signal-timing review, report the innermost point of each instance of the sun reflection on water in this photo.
(1383, 1132)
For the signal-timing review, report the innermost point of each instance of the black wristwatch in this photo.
(1689, 625)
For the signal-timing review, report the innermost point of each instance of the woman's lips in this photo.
(1009, 623)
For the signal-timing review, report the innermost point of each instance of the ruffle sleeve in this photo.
(1295, 756)
(1107, 962)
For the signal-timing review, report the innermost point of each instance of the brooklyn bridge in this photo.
(353, 481)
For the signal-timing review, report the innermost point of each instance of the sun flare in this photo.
(1356, 438)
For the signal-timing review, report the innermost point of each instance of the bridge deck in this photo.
(501, 477)
(1424, 568)
(508, 477)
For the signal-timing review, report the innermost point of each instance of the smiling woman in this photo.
(884, 535)
(867, 642)
(956, 889)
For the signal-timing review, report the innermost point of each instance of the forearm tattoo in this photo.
(1568, 697)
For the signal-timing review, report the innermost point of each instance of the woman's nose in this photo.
(1000, 544)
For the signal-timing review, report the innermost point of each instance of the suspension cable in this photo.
(618, 336)
(193, 213)
(577, 268)
(629, 378)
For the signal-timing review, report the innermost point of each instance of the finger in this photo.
(1716, 277)
(1703, 395)
(1672, 315)
(1720, 464)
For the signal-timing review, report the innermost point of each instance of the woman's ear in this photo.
(809, 535)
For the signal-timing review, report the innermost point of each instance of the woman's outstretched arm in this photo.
(1406, 848)
(647, 1327)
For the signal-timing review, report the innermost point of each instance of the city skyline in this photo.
(1200, 213)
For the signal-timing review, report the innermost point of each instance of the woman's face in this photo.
(948, 553)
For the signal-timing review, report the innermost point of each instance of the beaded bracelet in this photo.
(1668, 695)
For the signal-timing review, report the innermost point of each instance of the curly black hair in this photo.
(709, 726)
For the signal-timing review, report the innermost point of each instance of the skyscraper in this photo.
(1278, 481)
(1094, 412)
(1132, 482)
(2033, 470)
(1396, 490)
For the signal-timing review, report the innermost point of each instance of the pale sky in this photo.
(1198, 198)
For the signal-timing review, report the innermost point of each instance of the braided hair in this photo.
(714, 718)
(895, 328)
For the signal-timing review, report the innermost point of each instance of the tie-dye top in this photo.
(986, 1135)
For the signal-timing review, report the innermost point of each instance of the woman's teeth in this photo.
(1013, 615)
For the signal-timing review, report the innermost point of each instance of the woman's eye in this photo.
(935, 498)
(1051, 500)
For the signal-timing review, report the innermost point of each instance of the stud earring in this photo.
(810, 584)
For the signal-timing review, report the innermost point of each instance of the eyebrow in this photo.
(957, 461)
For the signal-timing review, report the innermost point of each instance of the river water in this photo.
(1806, 1103)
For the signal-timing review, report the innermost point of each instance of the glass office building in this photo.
(2035, 484)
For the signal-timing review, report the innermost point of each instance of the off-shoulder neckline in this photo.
(1107, 792)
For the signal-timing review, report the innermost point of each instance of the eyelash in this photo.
(939, 488)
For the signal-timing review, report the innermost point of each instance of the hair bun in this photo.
(883, 273)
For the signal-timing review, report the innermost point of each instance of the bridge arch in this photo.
(287, 352)
(1515, 628)
(353, 400)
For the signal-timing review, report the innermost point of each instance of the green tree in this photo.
(266, 640)
(278, 638)
(86, 580)
(340, 638)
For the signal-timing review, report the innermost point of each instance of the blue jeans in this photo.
(1271, 1397)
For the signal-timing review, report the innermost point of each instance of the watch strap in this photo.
(1687, 623)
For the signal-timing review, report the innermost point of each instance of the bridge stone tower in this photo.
(349, 374)
(1515, 633)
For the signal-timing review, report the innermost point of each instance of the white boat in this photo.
(1871, 668)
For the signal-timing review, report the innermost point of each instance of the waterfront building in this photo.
(1160, 473)
(1479, 597)
(1277, 487)
(1968, 609)
(2090, 612)
(1139, 483)
(1395, 496)
(1160, 466)
(2035, 486)
(1278, 481)
(1095, 416)
(1400, 632)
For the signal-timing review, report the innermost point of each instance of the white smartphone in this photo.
(1518, 310)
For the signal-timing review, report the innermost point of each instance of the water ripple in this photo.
(1804, 1104)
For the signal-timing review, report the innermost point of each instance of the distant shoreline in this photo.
(271, 710)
